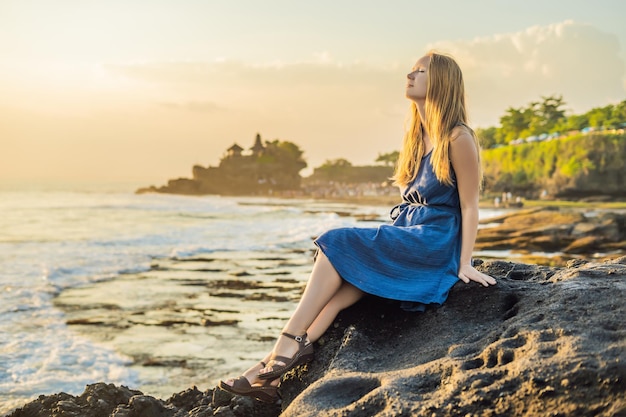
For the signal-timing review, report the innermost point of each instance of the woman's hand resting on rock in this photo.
(468, 273)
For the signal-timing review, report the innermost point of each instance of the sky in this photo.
(142, 90)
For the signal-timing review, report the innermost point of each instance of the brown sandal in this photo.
(241, 386)
(302, 356)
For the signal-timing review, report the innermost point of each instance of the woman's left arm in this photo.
(465, 162)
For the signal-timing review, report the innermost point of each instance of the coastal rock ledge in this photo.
(543, 341)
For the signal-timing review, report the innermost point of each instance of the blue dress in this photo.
(416, 258)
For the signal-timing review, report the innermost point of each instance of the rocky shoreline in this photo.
(544, 341)
(562, 234)
(237, 305)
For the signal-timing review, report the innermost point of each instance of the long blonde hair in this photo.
(444, 110)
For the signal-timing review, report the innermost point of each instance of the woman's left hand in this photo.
(468, 273)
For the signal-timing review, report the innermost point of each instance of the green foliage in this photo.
(576, 164)
(535, 119)
(568, 161)
(573, 163)
(283, 157)
(341, 170)
(487, 137)
(513, 123)
(549, 112)
(331, 164)
(618, 116)
(572, 123)
(548, 117)
(600, 115)
(388, 159)
(273, 166)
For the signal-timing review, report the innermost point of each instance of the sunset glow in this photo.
(143, 90)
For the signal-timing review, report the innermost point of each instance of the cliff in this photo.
(543, 341)
(572, 167)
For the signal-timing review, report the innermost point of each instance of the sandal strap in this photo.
(282, 359)
(241, 383)
(300, 339)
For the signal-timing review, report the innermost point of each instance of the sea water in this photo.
(58, 237)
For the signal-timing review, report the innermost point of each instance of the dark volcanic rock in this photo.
(543, 341)
(98, 400)
(104, 400)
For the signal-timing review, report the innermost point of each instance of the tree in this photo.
(280, 164)
(336, 163)
(342, 171)
(600, 116)
(535, 119)
(618, 116)
(573, 122)
(487, 137)
(551, 112)
(513, 123)
(388, 159)
(332, 169)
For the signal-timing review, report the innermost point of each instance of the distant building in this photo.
(258, 147)
(234, 150)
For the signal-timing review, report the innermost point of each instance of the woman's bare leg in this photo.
(324, 284)
(347, 295)
(344, 297)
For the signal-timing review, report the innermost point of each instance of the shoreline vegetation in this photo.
(537, 152)
(563, 182)
(579, 167)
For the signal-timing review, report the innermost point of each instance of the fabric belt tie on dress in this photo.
(399, 208)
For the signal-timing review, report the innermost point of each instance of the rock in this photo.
(555, 231)
(543, 341)
(143, 405)
(585, 245)
(97, 400)
(190, 398)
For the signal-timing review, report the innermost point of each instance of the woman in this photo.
(416, 259)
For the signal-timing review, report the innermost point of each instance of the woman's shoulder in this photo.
(461, 132)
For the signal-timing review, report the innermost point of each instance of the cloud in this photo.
(575, 60)
(323, 70)
(297, 90)
(302, 91)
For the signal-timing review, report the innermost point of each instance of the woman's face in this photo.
(417, 80)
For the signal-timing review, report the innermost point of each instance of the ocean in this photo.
(57, 238)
